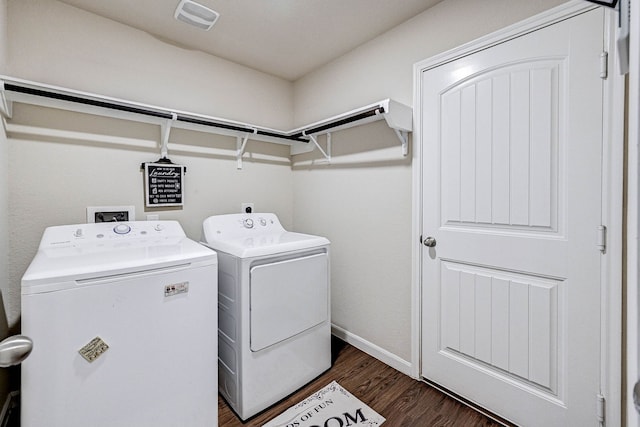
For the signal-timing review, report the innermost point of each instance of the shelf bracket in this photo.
(6, 106)
(325, 154)
(165, 130)
(403, 136)
(241, 145)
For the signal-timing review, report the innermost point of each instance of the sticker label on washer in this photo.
(94, 349)
(176, 289)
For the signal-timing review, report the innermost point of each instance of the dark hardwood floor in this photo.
(402, 400)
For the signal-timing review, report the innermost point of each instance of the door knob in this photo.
(429, 242)
(14, 350)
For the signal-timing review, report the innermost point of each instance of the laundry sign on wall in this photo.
(164, 184)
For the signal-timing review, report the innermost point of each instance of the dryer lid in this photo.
(253, 235)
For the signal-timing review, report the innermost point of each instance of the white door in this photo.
(512, 152)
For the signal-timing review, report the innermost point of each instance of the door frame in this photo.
(632, 231)
(612, 194)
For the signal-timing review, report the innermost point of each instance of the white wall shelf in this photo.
(303, 139)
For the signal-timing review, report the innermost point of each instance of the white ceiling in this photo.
(286, 38)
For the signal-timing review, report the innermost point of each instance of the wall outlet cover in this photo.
(247, 208)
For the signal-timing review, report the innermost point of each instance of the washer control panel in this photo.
(108, 231)
(122, 229)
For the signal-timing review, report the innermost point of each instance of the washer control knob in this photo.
(248, 223)
(158, 227)
(121, 229)
(263, 222)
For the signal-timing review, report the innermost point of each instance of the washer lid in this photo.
(253, 235)
(82, 251)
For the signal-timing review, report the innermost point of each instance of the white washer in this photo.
(274, 332)
(137, 300)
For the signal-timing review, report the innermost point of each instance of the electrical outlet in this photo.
(110, 213)
(247, 208)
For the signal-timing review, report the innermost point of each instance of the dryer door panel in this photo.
(287, 298)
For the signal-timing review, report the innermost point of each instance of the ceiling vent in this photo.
(196, 14)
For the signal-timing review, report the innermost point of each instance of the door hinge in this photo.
(601, 241)
(604, 65)
(600, 408)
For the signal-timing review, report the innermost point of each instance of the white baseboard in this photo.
(373, 350)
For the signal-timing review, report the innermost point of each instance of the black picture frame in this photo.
(610, 3)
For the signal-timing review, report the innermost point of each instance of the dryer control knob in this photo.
(121, 229)
(248, 223)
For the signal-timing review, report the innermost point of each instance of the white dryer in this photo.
(123, 320)
(274, 332)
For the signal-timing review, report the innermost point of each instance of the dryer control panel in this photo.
(242, 225)
(253, 235)
(266, 223)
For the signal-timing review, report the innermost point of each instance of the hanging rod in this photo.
(397, 116)
(337, 123)
(145, 111)
(87, 101)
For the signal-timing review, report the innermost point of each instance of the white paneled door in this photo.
(512, 178)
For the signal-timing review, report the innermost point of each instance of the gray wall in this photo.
(362, 202)
(365, 205)
(53, 180)
(52, 42)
